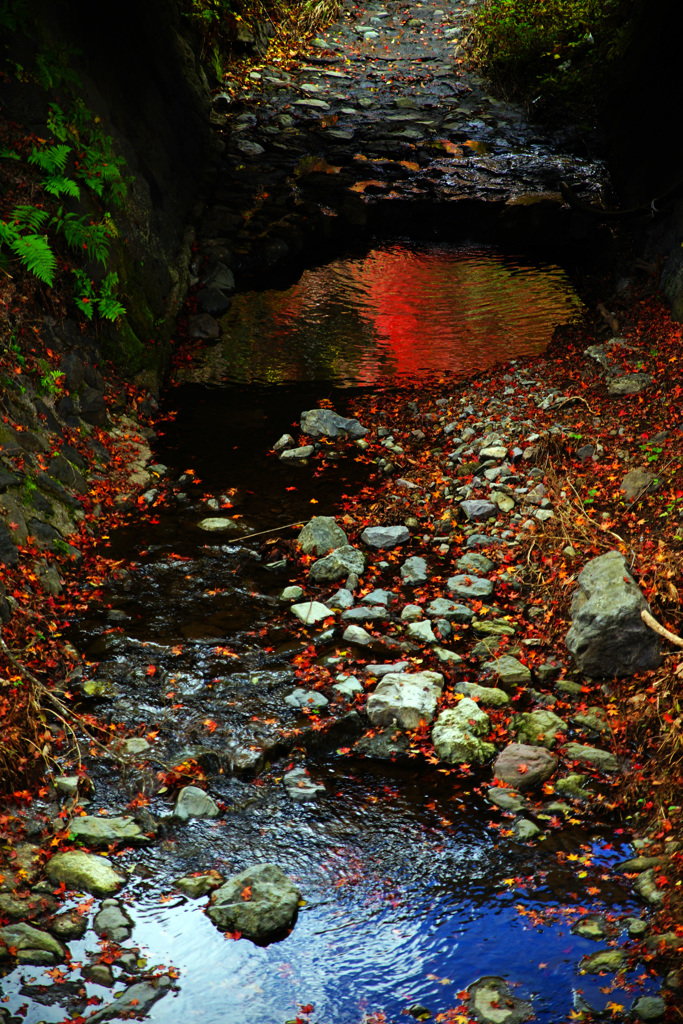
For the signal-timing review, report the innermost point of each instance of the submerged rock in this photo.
(301, 787)
(404, 698)
(196, 886)
(136, 1001)
(261, 903)
(113, 921)
(608, 636)
(492, 1002)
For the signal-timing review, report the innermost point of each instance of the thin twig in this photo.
(574, 398)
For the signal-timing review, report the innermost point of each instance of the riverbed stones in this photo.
(340, 563)
(492, 1002)
(638, 482)
(478, 508)
(646, 886)
(414, 571)
(193, 802)
(113, 921)
(33, 945)
(421, 631)
(475, 563)
(196, 886)
(310, 612)
(592, 927)
(405, 698)
(458, 731)
(629, 384)
(647, 1008)
(302, 698)
(85, 872)
(470, 586)
(304, 451)
(538, 728)
(595, 756)
(385, 536)
(300, 786)
(608, 637)
(91, 830)
(489, 696)
(358, 635)
(261, 903)
(217, 525)
(608, 960)
(508, 671)
(507, 799)
(523, 766)
(135, 1001)
(442, 608)
(326, 423)
(321, 535)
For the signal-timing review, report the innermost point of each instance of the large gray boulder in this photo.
(338, 564)
(321, 535)
(457, 734)
(92, 830)
(608, 636)
(325, 423)
(404, 698)
(261, 903)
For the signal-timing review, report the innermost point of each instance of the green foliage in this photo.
(33, 250)
(551, 53)
(105, 302)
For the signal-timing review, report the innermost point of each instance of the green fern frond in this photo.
(91, 237)
(85, 305)
(9, 154)
(36, 255)
(29, 217)
(58, 185)
(50, 159)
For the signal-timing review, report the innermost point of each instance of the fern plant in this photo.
(21, 235)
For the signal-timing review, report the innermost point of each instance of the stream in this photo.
(412, 883)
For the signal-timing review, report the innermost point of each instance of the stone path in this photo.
(383, 111)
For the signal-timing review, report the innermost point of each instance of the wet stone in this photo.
(507, 799)
(301, 698)
(69, 925)
(347, 686)
(33, 945)
(601, 759)
(384, 746)
(337, 565)
(300, 786)
(646, 886)
(193, 802)
(458, 731)
(492, 1002)
(404, 698)
(324, 422)
(113, 921)
(609, 960)
(465, 585)
(525, 830)
(647, 1008)
(385, 536)
(268, 911)
(474, 563)
(442, 608)
(85, 872)
(136, 1001)
(196, 886)
(101, 831)
(478, 509)
(592, 927)
(509, 672)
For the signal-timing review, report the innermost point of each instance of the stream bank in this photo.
(186, 694)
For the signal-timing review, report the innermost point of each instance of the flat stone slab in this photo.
(85, 872)
(405, 698)
(523, 766)
(92, 830)
(385, 536)
(297, 454)
(442, 608)
(467, 585)
(260, 903)
(310, 612)
(602, 759)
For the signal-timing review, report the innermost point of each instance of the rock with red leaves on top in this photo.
(524, 766)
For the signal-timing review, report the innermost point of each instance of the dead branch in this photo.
(574, 398)
(609, 317)
(650, 621)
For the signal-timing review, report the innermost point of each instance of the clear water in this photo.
(399, 313)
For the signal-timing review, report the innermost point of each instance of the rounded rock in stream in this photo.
(86, 872)
(260, 903)
(492, 1002)
(325, 423)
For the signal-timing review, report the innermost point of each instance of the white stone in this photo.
(405, 698)
(310, 612)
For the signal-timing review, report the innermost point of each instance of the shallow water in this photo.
(401, 312)
(412, 887)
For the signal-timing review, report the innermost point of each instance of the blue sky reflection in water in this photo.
(400, 909)
(400, 312)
